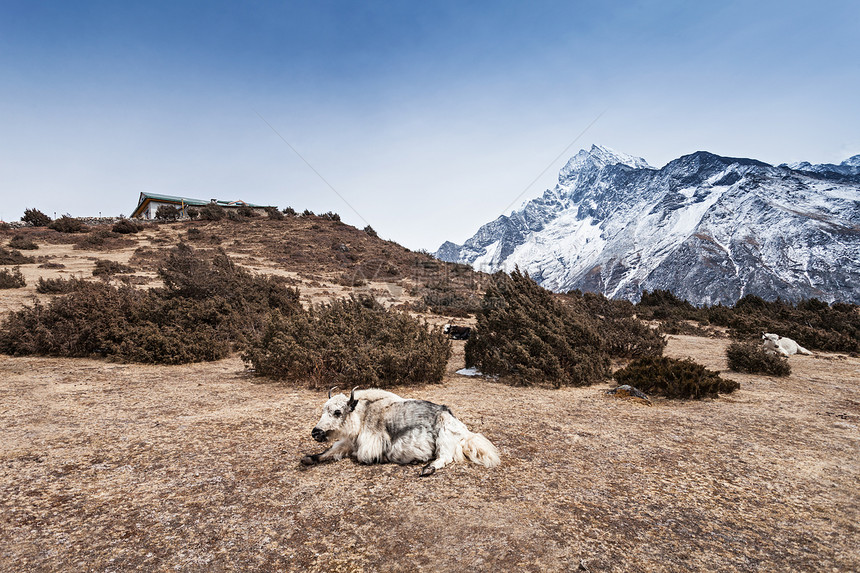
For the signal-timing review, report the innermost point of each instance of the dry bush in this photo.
(102, 240)
(123, 323)
(13, 257)
(350, 280)
(274, 214)
(812, 323)
(524, 334)
(596, 304)
(194, 234)
(59, 285)
(107, 268)
(68, 224)
(631, 338)
(686, 327)
(622, 335)
(11, 278)
(188, 274)
(350, 342)
(369, 230)
(126, 227)
(167, 213)
(752, 359)
(206, 310)
(23, 243)
(663, 305)
(673, 378)
(247, 212)
(448, 300)
(211, 212)
(36, 218)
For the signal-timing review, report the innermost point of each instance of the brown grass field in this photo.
(124, 467)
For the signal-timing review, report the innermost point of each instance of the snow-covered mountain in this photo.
(709, 228)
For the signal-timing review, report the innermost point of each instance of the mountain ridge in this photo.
(707, 227)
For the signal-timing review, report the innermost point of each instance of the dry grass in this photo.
(117, 467)
(109, 467)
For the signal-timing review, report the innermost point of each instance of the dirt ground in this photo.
(114, 467)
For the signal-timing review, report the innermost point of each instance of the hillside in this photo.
(324, 257)
(114, 467)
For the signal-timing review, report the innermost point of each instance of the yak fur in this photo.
(377, 426)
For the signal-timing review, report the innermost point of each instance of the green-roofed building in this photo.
(149, 203)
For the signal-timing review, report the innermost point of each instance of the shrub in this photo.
(812, 323)
(206, 309)
(107, 268)
(126, 227)
(211, 212)
(752, 359)
(59, 285)
(102, 239)
(664, 305)
(23, 243)
(13, 257)
(274, 214)
(330, 216)
(68, 224)
(350, 342)
(369, 230)
(307, 213)
(622, 335)
(631, 338)
(523, 333)
(188, 274)
(248, 212)
(289, 212)
(11, 278)
(36, 218)
(124, 323)
(673, 378)
(167, 213)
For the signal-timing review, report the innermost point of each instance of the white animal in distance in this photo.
(776, 344)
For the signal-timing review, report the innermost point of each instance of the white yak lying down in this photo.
(776, 344)
(377, 426)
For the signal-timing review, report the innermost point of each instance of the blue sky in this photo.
(427, 118)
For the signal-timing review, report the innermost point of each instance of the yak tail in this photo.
(480, 450)
(802, 350)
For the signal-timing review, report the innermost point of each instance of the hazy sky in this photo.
(428, 118)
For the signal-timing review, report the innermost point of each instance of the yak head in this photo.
(334, 416)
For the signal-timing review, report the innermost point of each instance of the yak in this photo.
(457, 332)
(776, 344)
(377, 426)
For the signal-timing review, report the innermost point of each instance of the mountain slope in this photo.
(709, 228)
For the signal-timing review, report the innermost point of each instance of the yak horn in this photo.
(330, 390)
(352, 394)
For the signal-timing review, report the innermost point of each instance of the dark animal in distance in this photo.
(377, 426)
(457, 332)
